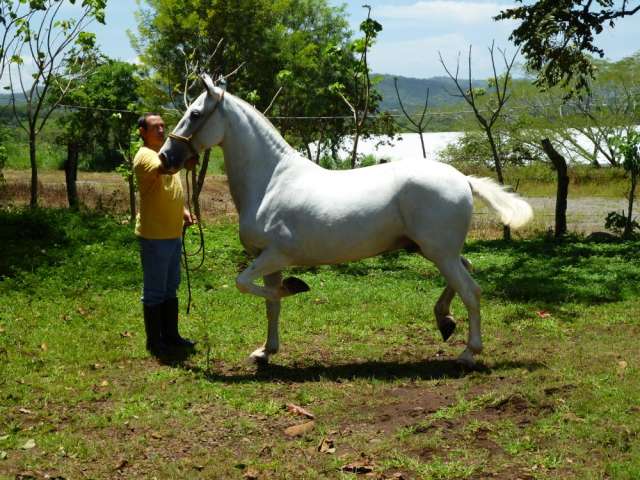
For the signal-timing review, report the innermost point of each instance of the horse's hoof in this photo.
(447, 326)
(294, 285)
(259, 357)
(466, 359)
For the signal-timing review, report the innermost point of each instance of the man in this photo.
(159, 228)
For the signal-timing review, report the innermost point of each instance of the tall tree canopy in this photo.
(296, 47)
(557, 37)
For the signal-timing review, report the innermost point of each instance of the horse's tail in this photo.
(511, 208)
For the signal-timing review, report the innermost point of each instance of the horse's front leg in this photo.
(268, 262)
(261, 355)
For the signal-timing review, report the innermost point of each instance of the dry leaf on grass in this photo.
(26, 411)
(250, 474)
(296, 410)
(327, 445)
(299, 430)
(29, 444)
(122, 464)
(126, 334)
(358, 467)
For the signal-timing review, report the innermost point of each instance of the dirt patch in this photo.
(104, 191)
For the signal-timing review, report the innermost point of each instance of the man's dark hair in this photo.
(142, 121)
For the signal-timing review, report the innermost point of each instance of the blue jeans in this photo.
(161, 269)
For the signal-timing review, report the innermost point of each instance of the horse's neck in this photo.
(253, 150)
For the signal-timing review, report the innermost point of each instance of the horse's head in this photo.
(199, 129)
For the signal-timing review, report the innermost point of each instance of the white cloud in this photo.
(466, 13)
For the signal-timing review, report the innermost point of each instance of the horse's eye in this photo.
(195, 114)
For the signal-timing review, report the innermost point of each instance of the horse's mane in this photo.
(264, 121)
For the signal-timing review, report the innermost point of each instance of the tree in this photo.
(360, 98)
(629, 146)
(557, 38)
(296, 47)
(419, 126)
(50, 44)
(562, 191)
(107, 102)
(490, 113)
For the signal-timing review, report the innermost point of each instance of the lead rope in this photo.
(185, 255)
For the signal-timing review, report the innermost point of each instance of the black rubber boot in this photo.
(153, 328)
(170, 334)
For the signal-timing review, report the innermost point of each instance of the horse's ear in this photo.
(222, 82)
(208, 84)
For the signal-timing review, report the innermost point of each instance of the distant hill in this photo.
(413, 91)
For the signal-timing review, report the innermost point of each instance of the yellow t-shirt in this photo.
(161, 198)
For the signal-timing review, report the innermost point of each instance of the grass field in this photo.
(556, 395)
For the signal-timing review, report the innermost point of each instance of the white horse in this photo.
(293, 212)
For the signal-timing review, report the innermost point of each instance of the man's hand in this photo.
(188, 218)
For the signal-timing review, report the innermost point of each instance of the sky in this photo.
(413, 34)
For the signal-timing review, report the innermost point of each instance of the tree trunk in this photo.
(560, 164)
(424, 152)
(506, 230)
(33, 203)
(308, 148)
(354, 152)
(71, 174)
(132, 198)
(628, 227)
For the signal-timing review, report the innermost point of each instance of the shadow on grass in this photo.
(555, 272)
(536, 270)
(28, 238)
(378, 370)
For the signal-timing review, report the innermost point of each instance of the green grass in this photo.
(556, 396)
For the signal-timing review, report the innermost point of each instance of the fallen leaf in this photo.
(296, 410)
(81, 311)
(327, 445)
(97, 366)
(250, 474)
(29, 444)
(26, 411)
(358, 467)
(1, 329)
(122, 464)
(299, 430)
(126, 334)
(44, 347)
(156, 435)
(3, 455)
(543, 314)
(104, 383)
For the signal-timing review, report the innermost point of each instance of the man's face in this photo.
(153, 135)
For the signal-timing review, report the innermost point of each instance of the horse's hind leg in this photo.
(442, 310)
(454, 270)
(271, 346)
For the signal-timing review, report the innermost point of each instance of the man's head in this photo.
(151, 129)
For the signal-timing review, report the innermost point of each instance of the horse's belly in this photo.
(330, 246)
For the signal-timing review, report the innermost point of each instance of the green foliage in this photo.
(557, 38)
(473, 149)
(102, 134)
(617, 223)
